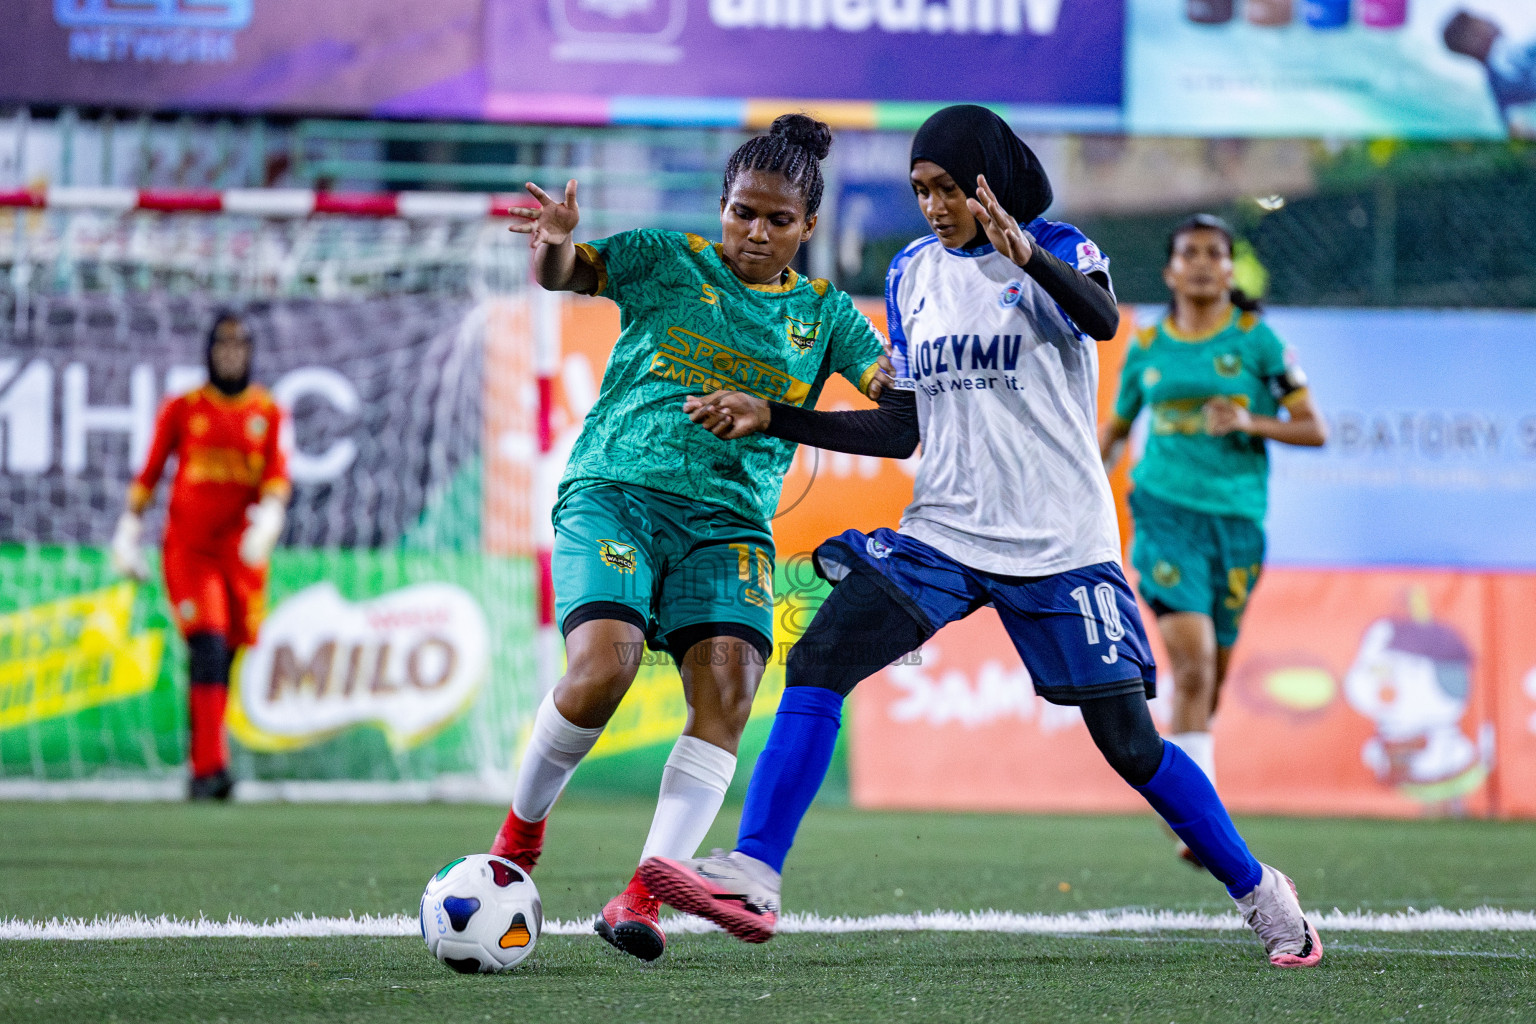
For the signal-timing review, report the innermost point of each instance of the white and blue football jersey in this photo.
(1010, 480)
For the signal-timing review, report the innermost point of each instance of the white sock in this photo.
(1200, 747)
(554, 750)
(693, 786)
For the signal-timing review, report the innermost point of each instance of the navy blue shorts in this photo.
(1079, 632)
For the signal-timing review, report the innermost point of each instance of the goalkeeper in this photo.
(226, 513)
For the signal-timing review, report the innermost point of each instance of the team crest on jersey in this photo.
(198, 425)
(877, 549)
(256, 427)
(1150, 377)
(802, 333)
(617, 555)
(1229, 364)
(1090, 259)
(1166, 574)
(1012, 292)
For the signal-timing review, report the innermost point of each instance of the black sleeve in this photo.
(1089, 304)
(887, 432)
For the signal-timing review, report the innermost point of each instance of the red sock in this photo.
(207, 701)
(520, 841)
(638, 888)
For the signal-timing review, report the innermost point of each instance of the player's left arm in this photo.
(265, 519)
(1085, 297)
(1302, 425)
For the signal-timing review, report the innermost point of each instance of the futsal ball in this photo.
(481, 914)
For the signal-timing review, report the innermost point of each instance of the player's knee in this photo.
(208, 658)
(1122, 729)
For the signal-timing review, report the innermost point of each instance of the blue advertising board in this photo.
(1431, 455)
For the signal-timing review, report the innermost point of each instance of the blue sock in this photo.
(1185, 798)
(789, 771)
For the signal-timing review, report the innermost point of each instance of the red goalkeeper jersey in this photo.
(227, 459)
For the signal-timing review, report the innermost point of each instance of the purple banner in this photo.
(596, 61)
(1055, 52)
(301, 56)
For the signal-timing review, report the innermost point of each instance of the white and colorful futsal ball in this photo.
(481, 914)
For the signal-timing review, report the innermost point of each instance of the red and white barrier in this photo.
(269, 202)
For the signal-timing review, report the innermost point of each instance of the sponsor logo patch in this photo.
(618, 555)
(802, 333)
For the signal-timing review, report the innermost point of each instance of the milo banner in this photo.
(396, 651)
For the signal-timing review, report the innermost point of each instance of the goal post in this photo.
(400, 654)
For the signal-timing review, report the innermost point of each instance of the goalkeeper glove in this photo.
(127, 556)
(265, 520)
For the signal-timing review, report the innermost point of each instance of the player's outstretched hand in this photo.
(553, 222)
(1002, 230)
(126, 553)
(728, 414)
(1224, 416)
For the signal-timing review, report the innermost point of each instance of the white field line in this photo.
(1093, 922)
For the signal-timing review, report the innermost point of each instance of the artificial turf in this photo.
(270, 861)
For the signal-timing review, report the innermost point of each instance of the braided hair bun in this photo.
(804, 131)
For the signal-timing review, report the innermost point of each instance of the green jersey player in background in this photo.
(661, 529)
(1214, 379)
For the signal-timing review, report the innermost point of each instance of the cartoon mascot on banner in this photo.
(1413, 678)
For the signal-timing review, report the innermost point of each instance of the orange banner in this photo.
(1513, 641)
(1351, 692)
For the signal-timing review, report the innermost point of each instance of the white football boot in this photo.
(737, 892)
(1274, 913)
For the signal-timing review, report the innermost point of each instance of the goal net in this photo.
(396, 659)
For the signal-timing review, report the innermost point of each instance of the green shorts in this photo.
(680, 570)
(1196, 562)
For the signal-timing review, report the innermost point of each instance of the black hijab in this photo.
(967, 140)
(232, 386)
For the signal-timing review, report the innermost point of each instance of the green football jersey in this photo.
(689, 325)
(1174, 376)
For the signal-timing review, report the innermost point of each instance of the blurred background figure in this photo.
(227, 506)
(1511, 63)
(1216, 380)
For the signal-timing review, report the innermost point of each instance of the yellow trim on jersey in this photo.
(819, 285)
(1290, 400)
(696, 243)
(1146, 336)
(1173, 332)
(1247, 321)
(594, 259)
(868, 376)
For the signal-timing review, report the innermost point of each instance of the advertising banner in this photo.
(1351, 692)
(397, 645)
(417, 57)
(1394, 68)
(605, 60)
(859, 63)
(1431, 455)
